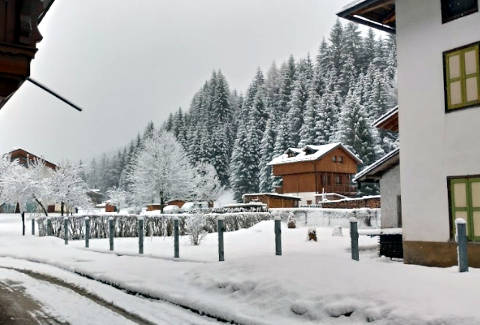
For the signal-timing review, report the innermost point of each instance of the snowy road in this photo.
(31, 297)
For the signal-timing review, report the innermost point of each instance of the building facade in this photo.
(313, 170)
(439, 95)
(272, 200)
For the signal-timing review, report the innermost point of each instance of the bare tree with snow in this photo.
(68, 187)
(118, 197)
(161, 170)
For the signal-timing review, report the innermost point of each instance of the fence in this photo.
(321, 217)
(157, 225)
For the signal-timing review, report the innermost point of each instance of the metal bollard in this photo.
(49, 227)
(33, 226)
(176, 240)
(65, 229)
(278, 236)
(87, 232)
(111, 231)
(220, 229)
(462, 253)
(23, 223)
(140, 234)
(354, 238)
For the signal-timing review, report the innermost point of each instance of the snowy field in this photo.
(312, 283)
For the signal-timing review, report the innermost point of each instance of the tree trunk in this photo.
(41, 205)
(161, 202)
(62, 207)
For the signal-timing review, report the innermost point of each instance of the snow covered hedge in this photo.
(158, 225)
(323, 217)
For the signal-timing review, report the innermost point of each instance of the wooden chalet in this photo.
(177, 202)
(19, 36)
(273, 200)
(24, 158)
(316, 169)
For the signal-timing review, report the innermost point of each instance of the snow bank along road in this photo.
(312, 283)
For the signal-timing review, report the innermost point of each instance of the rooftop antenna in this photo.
(51, 92)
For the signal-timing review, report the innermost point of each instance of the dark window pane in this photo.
(453, 9)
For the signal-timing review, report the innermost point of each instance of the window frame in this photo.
(457, 16)
(463, 76)
(338, 179)
(467, 180)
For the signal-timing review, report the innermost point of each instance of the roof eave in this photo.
(375, 171)
(349, 14)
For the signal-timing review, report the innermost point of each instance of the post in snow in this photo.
(87, 232)
(176, 239)
(220, 229)
(49, 227)
(23, 223)
(354, 238)
(461, 237)
(33, 226)
(65, 229)
(140, 234)
(278, 236)
(111, 231)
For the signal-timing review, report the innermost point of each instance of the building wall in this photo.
(325, 164)
(434, 144)
(271, 201)
(304, 196)
(358, 203)
(389, 191)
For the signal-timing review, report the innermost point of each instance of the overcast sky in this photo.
(129, 62)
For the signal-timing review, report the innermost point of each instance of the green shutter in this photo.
(466, 207)
(462, 77)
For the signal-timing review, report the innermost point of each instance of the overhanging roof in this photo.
(311, 153)
(388, 121)
(18, 39)
(378, 168)
(46, 5)
(378, 14)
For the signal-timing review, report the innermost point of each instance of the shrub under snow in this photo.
(195, 228)
(157, 225)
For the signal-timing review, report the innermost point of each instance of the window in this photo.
(325, 180)
(462, 77)
(453, 9)
(465, 204)
(334, 158)
(338, 179)
(340, 159)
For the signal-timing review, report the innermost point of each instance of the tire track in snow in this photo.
(127, 291)
(99, 301)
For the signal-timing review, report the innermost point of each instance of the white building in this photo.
(439, 99)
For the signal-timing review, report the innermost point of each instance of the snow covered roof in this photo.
(274, 195)
(310, 153)
(379, 14)
(375, 170)
(244, 205)
(388, 121)
(18, 152)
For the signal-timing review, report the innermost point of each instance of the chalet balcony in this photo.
(340, 189)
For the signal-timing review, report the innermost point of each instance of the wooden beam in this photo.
(372, 8)
(390, 18)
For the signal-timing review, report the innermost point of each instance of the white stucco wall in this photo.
(434, 145)
(390, 190)
(304, 196)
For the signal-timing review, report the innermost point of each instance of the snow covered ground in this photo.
(312, 283)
